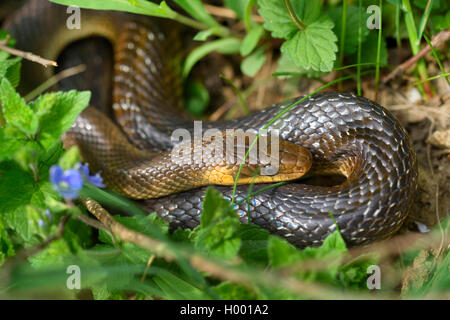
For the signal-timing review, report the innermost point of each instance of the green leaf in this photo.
(287, 67)
(254, 62)
(441, 22)
(10, 69)
(251, 40)
(224, 46)
(238, 6)
(203, 35)
(314, 48)
(70, 158)
(254, 243)
(139, 6)
(232, 291)
(277, 20)
(214, 206)
(219, 226)
(281, 253)
(15, 111)
(351, 28)
(6, 244)
(197, 98)
(60, 111)
(9, 144)
(176, 288)
(196, 9)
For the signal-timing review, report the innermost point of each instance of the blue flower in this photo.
(49, 214)
(95, 180)
(68, 183)
(41, 223)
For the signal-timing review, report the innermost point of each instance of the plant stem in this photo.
(296, 20)
(412, 34)
(358, 68)
(342, 42)
(380, 35)
(397, 32)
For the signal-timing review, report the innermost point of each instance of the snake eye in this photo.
(269, 170)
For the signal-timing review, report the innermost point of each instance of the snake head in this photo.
(269, 160)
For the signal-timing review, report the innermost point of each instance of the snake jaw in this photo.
(291, 162)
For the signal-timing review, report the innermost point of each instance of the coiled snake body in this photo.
(344, 134)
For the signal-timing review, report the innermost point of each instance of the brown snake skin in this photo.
(344, 133)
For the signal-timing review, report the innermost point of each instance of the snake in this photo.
(319, 135)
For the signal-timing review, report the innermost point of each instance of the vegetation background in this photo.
(245, 54)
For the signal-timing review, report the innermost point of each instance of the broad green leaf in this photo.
(214, 206)
(277, 20)
(219, 226)
(64, 109)
(9, 144)
(139, 6)
(254, 243)
(287, 67)
(6, 244)
(15, 110)
(176, 288)
(254, 62)
(314, 48)
(224, 46)
(351, 29)
(196, 9)
(281, 252)
(251, 40)
(10, 69)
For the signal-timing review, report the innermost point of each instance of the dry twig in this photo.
(26, 55)
(437, 41)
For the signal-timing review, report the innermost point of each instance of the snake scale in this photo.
(338, 132)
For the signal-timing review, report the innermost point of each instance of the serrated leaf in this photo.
(64, 110)
(10, 69)
(287, 67)
(9, 144)
(313, 48)
(351, 29)
(176, 288)
(282, 253)
(219, 226)
(15, 110)
(277, 20)
(254, 62)
(251, 40)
